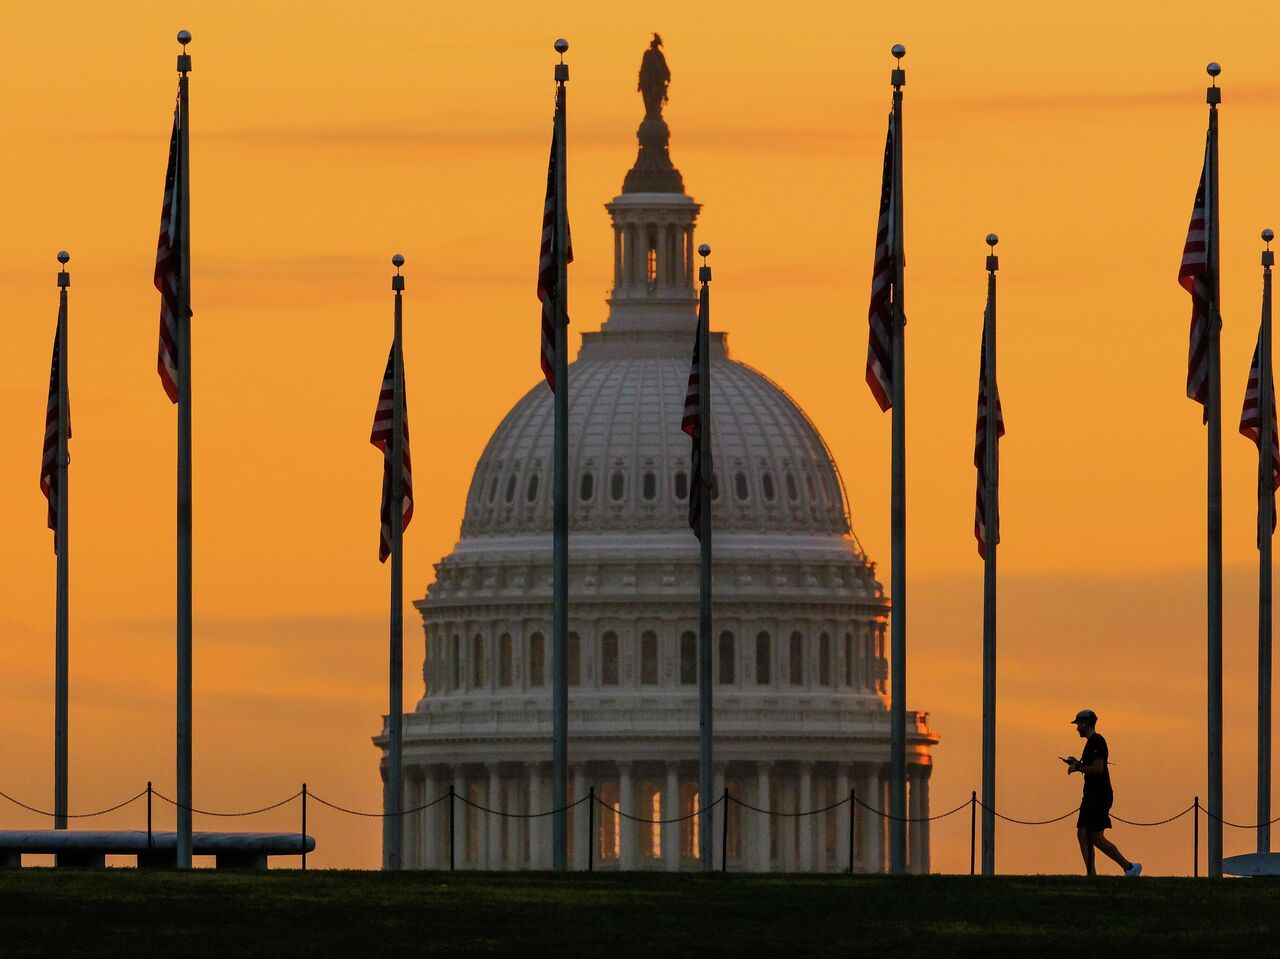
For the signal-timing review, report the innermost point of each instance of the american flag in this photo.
(880, 316)
(167, 273)
(1251, 426)
(980, 450)
(691, 423)
(49, 463)
(383, 430)
(1193, 276)
(549, 270)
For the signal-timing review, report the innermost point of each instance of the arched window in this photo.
(617, 486)
(573, 659)
(725, 655)
(682, 485)
(531, 491)
(649, 658)
(740, 489)
(689, 659)
(511, 487)
(587, 487)
(504, 660)
(477, 661)
(609, 659)
(766, 483)
(795, 666)
(493, 488)
(537, 660)
(792, 493)
(808, 483)
(764, 660)
(651, 263)
(824, 660)
(455, 663)
(650, 487)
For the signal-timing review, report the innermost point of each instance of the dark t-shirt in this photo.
(1097, 785)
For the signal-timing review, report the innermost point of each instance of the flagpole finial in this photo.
(993, 261)
(898, 77)
(1213, 96)
(704, 271)
(64, 278)
(64, 256)
(184, 58)
(397, 281)
(1213, 69)
(1268, 255)
(562, 68)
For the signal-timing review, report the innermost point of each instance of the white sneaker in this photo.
(1134, 870)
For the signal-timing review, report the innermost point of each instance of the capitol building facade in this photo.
(799, 671)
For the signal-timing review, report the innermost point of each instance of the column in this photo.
(617, 256)
(461, 817)
(872, 823)
(412, 832)
(805, 823)
(494, 857)
(580, 818)
(430, 820)
(763, 831)
(628, 836)
(537, 824)
(917, 811)
(688, 257)
(844, 817)
(925, 773)
(670, 835)
(715, 821)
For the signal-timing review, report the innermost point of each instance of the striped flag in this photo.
(691, 423)
(1193, 276)
(52, 419)
(167, 273)
(880, 315)
(383, 429)
(1251, 426)
(980, 448)
(549, 269)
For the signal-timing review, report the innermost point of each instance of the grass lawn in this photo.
(118, 912)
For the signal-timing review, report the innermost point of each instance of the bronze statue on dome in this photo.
(654, 77)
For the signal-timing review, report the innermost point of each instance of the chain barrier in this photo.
(788, 815)
(942, 815)
(518, 815)
(74, 815)
(660, 822)
(1158, 822)
(377, 815)
(1025, 822)
(1236, 825)
(226, 815)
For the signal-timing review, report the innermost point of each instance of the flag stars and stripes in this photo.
(1251, 426)
(53, 418)
(980, 525)
(691, 423)
(167, 272)
(549, 269)
(880, 314)
(1193, 276)
(383, 431)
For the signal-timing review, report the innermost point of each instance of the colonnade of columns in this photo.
(649, 790)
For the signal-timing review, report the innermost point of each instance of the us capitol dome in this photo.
(800, 669)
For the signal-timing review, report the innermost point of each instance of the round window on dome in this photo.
(682, 485)
(740, 489)
(531, 492)
(766, 483)
(792, 493)
(650, 487)
(587, 487)
(617, 486)
(511, 487)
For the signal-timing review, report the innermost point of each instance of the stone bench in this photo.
(232, 850)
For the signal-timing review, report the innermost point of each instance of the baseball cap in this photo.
(1085, 716)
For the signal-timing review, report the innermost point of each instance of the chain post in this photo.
(304, 827)
(724, 832)
(853, 806)
(452, 844)
(591, 830)
(973, 827)
(1195, 839)
(149, 841)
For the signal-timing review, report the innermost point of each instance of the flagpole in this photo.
(1214, 412)
(61, 652)
(705, 830)
(395, 709)
(898, 513)
(560, 535)
(1266, 517)
(991, 537)
(184, 810)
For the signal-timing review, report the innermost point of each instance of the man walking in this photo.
(1095, 804)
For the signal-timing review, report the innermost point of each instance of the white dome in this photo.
(629, 460)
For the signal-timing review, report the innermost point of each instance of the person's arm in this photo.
(1096, 765)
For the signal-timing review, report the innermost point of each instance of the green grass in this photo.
(46, 912)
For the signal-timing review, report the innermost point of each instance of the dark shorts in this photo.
(1094, 813)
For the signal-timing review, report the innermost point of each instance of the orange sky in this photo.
(327, 137)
